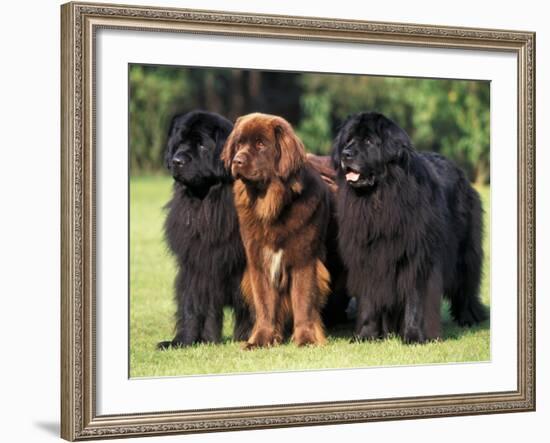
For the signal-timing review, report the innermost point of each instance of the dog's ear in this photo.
(168, 142)
(221, 130)
(230, 147)
(339, 142)
(220, 135)
(396, 141)
(291, 150)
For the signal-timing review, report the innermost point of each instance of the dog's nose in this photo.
(238, 160)
(178, 161)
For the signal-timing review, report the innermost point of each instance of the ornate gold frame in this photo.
(79, 21)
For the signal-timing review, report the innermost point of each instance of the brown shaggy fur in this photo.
(323, 165)
(283, 206)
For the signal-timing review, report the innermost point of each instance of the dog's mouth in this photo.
(239, 174)
(352, 175)
(356, 178)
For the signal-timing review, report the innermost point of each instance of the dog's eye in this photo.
(260, 144)
(202, 147)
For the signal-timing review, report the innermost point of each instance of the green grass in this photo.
(152, 308)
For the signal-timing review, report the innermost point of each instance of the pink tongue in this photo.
(352, 176)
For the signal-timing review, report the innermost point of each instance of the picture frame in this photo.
(79, 177)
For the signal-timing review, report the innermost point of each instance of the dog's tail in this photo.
(466, 306)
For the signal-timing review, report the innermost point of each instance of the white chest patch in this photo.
(274, 262)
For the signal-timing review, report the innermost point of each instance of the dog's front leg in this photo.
(304, 294)
(266, 331)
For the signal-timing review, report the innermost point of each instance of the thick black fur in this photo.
(202, 231)
(410, 229)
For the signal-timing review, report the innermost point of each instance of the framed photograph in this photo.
(275, 221)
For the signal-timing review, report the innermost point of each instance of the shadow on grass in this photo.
(343, 330)
(451, 330)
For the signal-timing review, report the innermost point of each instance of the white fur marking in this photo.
(275, 260)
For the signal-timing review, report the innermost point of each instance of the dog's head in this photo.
(366, 146)
(262, 147)
(195, 142)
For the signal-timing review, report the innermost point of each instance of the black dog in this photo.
(410, 231)
(202, 230)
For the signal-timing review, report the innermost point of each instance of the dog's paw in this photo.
(162, 345)
(262, 338)
(169, 344)
(414, 335)
(366, 333)
(172, 344)
(306, 336)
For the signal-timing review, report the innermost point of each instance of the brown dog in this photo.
(283, 208)
(323, 165)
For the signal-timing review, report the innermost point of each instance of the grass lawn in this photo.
(152, 309)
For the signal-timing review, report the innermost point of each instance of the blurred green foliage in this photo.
(447, 116)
